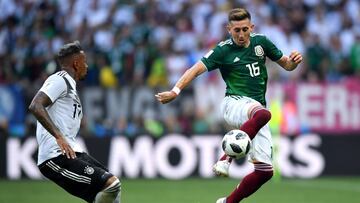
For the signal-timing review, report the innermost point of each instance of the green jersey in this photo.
(243, 69)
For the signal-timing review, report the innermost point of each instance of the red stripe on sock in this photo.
(254, 110)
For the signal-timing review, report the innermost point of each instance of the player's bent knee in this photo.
(266, 114)
(259, 112)
(111, 192)
(262, 116)
(114, 185)
(110, 181)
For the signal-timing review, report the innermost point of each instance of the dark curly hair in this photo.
(68, 50)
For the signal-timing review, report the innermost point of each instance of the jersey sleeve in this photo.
(212, 59)
(271, 50)
(54, 87)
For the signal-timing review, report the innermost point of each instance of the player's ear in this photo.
(75, 62)
(228, 27)
(75, 65)
(252, 26)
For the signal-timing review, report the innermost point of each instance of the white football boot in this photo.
(221, 200)
(221, 168)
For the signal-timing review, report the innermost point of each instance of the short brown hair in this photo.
(237, 14)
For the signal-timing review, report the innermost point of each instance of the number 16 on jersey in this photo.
(254, 69)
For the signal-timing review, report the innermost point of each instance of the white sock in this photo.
(117, 199)
(110, 194)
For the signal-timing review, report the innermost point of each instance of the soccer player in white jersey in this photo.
(58, 109)
(241, 61)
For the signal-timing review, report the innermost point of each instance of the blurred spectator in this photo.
(131, 44)
(355, 55)
(106, 74)
(317, 56)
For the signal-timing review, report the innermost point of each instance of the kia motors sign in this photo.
(176, 156)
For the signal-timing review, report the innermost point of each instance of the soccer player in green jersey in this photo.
(241, 61)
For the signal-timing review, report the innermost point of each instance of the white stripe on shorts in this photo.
(68, 174)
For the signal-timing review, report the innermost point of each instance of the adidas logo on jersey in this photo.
(236, 59)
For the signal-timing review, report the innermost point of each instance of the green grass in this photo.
(323, 190)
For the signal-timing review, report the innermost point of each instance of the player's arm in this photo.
(289, 63)
(189, 75)
(38, 109)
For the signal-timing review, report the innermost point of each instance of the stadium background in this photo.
(137, 48)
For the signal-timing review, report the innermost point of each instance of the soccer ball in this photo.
(236, 144)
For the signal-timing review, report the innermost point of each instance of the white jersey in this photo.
(65, 111)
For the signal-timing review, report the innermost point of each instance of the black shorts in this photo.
(83, 176)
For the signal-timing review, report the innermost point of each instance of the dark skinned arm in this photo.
(38, 109)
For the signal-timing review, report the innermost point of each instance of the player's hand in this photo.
(65, 148)
(296, 57)
(166, 97)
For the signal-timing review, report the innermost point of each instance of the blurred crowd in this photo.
(134, 43)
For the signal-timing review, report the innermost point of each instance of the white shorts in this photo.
(235, 111)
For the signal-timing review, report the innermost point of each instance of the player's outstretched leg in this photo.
(251, 183)
(258, 118)
(111, 193)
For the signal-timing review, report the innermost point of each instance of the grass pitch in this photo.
(322, 190)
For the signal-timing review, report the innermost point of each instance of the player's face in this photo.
(240, 31)
(81, 66)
